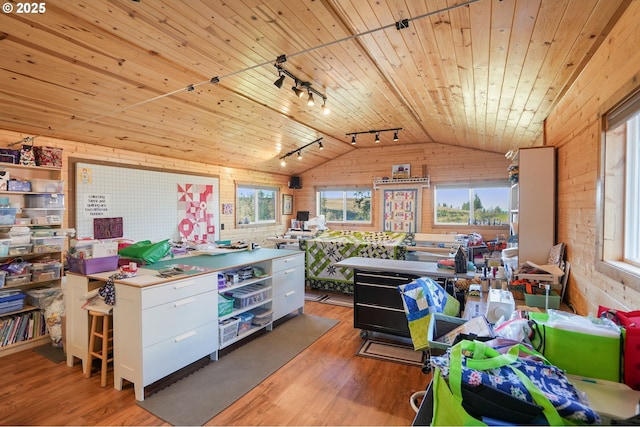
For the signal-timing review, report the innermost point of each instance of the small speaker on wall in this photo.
(294, 182)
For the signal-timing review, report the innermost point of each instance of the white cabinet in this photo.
(163, 328)
(288, 285)
(534, 204)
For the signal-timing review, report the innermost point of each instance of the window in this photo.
(345, 205)
(472, 204)
(618, 249)
(256, 205)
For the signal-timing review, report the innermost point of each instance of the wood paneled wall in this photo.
(443, 164)
(228, 179)
(573, 127)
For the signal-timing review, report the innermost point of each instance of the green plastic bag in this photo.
(146, 251)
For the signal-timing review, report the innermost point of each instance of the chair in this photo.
(102, 328)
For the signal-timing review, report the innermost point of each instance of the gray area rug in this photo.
(196, 399)
(55, 354)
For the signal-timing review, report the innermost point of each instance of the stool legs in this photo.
(105, 335)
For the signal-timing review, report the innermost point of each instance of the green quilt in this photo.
(331, 246)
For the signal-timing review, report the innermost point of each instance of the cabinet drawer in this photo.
(382, 295)
(288, 280)
(288, 302)
(174, 353)
(166, 320)
(383, 278)
(381, 319)
(161, 294)
(284, 263)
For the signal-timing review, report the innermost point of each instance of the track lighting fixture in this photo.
(300, 86)
(283, 159)
(377, 132)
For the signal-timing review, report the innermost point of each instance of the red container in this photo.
(92, 265)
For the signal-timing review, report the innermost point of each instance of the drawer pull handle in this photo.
(290, 271)
(185, 336)
(185, 284)
(184, 302)
(290, 293)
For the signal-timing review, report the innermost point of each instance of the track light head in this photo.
(310, 101)
(299, 155)
(325, 109)
(278, 83)
(283, 162)
(395, 136)
(353, 140)
(377, 137)
(320, 146)
(299, 92)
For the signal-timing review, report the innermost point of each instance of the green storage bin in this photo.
(578, 353)
(225, 305)
(539, 301)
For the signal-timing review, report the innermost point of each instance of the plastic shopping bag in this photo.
(145, 250)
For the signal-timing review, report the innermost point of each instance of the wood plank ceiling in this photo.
(481, 74)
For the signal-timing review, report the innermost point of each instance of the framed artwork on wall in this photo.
(401, 171)
(287, 204)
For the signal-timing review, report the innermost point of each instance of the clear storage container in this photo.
(47, 244)
(45, 271)
(49, 201)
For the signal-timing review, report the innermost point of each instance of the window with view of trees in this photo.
(256, 204)
(476, 204)
(345, 205)
(618, 253)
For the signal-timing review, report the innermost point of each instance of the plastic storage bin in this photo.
(92, 265)
(41, 212)
(249, 295)
(4, 246)
(47, 186)
(7, 216)
(228, 330)
(245, 322)
(225, 305)
(3, 275)
(47, 244)
(261, 316)
(20, 249)
(11, 301)
(540, 300)
(45, 271)
(49, 201)
(19, 279)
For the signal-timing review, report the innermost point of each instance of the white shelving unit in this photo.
(379, 182)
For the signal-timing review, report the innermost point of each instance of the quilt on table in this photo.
(331, 246)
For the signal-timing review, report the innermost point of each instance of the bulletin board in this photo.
(147, 204)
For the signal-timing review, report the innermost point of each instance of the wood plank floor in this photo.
(324, 385)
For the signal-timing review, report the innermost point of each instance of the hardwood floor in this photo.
(324, 385)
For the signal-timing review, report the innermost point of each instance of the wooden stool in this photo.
(105, 333)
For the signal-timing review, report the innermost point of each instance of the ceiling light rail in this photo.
(298, 151)
(377, 132)
(300, 86)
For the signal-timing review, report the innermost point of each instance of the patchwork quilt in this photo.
(331, 246)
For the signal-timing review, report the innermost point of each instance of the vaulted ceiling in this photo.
(195, 79)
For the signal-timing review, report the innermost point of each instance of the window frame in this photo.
(256, 187)
(344, 190)
(611, 185)
(471, 186)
